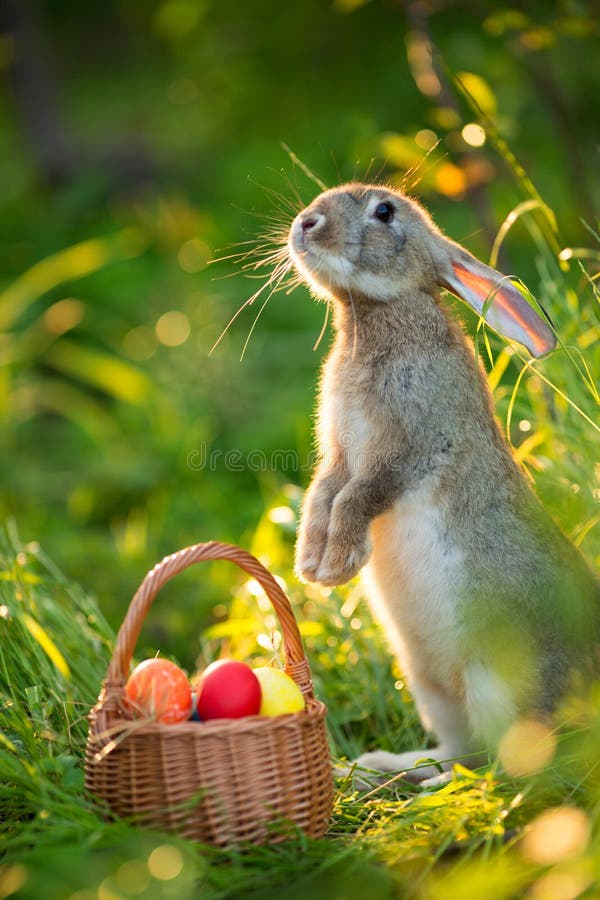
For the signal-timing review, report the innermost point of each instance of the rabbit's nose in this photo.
(312, 221)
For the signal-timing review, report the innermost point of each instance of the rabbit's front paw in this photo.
(308, 558)
(341, 562)
(306, 569)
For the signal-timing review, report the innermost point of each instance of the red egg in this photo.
(158, 688)
(228, 689)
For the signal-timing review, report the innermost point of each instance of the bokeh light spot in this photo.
(12, 879)
(420, 60)
(165, 862)
(176, 19)
(526, 748)
(193, 255)
(450, 180)
(428, 83)
(473, 135)
(173, 328)
(282, 515)
(426, 139)
(445, 117)
(132, 877)
(557, 834)
(139, 343)
(560, 885)
(106, 891)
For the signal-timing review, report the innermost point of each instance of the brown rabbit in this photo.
(486, 603)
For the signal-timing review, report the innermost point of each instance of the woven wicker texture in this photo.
(223, 782)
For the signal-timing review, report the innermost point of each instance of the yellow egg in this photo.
(279, 693)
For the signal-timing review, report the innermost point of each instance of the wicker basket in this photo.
(256, 779)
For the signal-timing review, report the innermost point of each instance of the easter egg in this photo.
(158, 688)
(280, 694)
(228, 689)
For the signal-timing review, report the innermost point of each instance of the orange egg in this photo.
(159, 689)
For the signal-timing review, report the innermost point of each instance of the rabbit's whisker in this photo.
(268, 251)
(257, 249)
(292, 185)
(240, 256)
(324, 326)
(296, 161)
(252, 261)
(253, 326)
(276, 286)
(354, 321)
(280, 201)
(293, 282)
(276, 275)
(273, 257)
(415, 169)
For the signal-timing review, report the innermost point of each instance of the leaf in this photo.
(47, 644)
(68, 400)
(480, 90)
(108, 373)
(66, 265)
(8, 744)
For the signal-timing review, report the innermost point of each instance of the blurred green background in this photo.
(139, 140)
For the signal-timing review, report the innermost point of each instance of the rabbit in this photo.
(487, 605)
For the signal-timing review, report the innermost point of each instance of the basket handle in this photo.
(296, 664)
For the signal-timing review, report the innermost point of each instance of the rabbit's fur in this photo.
(487, 605)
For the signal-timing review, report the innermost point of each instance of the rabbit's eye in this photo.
(384, 212)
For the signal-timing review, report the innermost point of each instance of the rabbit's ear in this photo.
(500, 303)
